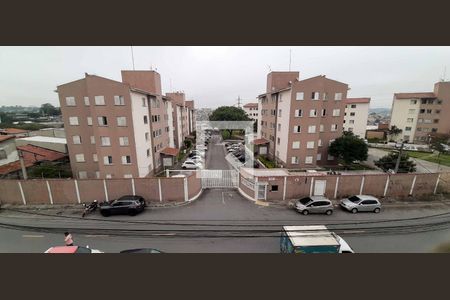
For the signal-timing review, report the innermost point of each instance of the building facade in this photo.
(300, 118)
(183, 117)
(116, 129)
(251, 109)
(420, 115)
(355, 116)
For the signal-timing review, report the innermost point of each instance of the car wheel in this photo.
(305, 212)
(376, 210)
(183, 168)
(329, 212)
(132, 212)
(354, 211)
(105, 213)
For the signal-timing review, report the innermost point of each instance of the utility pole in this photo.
(132, 57)
(239, 101)
(397, 164)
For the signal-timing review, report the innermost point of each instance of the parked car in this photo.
(71, 250)
(314, 204)
(190, 164)
(197, 152)
(122, 207)
(196, 158)
(345, 247)
(359, 203)
(134, 197)
(142, 250)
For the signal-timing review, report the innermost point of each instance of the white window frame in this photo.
(311, 130)
(321, 128)
(337, 96)
(299, 129)
(95, 157)
(106, 160)
(82, 175)
(101, 120)
(319, 143)
(92, 140)
(124, 160)
(105, 141)
(319, 156)
(124, 141)
(336, 112)
(310, 145)
(315, 96)
(121, 121)
(298, 113)
(334, 127)
(76, 139)
(70, 101)
(86, 101)
(119, 100)
(313, 113)
(294, 160)
(89, 121)
(79, 157)
(73, 121)
(99, 100)
(296, 145)
(300, 96)
(309, 159)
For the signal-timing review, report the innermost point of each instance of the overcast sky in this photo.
(215, 76)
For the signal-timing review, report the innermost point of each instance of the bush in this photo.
(267, 162)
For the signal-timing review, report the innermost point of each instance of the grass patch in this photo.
(269, 164)
(351, 167)
(443, 159)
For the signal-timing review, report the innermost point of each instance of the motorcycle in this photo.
(89, 208)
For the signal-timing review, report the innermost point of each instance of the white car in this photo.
(196, 158)
(190, 164)
(345, 248)
(198, 152)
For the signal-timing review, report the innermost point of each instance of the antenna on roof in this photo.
(445, 74)
(239, 101)
(132, 57)
(270, 69)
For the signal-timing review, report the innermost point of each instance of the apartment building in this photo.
(355, 116)
(117, 129)
(299, 119)
(251, 109)
(183, 117)
(420, 115)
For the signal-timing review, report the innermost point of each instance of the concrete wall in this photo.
(64, 191)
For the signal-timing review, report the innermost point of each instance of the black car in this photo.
(142, 250)
(123, 206)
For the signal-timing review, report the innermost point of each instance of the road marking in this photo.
(261, 203)
(96, 235)
(354, 231)
(223, 200)
(32, 236)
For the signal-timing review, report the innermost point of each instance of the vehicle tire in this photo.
(305, 212)
(329, 212)
(84, 214)
(106, 213)
(184, 168)
(354, 211)
(376, 210)
(132, 212)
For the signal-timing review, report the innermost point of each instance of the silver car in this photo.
(314, 204)
(358, 203)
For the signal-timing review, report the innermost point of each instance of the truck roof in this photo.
(314, 235)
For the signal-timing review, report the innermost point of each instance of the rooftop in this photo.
(260, 141)
(356, 100)
(316, 235)
(414, 95)
(251, 105)
(170, 151)
(46, 139)
(6, 137)
(13, 131)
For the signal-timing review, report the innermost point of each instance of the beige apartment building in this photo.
(117, 129)
(182, 117)
(355, 116)
(298, 119)
(420, 115)
(251, 109)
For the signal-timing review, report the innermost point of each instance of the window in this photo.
(294, 160)
(319, 143)
(330, 157)
(108, 176)
(296, 145)
(315, 96)
(439, 102)
(407, 128)
(86, 101)
(128, 176)
(313, 113)
(73, 121)
(97, 174)
(99, 100)
(436, 121)
(298, 113)
(419, 129)
(422, 111)
(148, 152)
(319, 156)
(123, 141)
(352, 114)
(430, 101)
(321, 128)
(95, 157)
(147, 136)
(89, 121)
(411, 111)
(427, 121)
(279, 112)
(82, 175)
(353, 106)
(121, 121)
(406, 138)
(438, 111)
(79, 157)
(424, 101)
(334, 127)
(325, 96)
(433, 129)
(105, 141)
(299, 96)
(126, 160)
(297, 129)
(70, 101)
(310, 145)
(410, 120)
(429, 111)
(102, 121)
(351, 121)
(337, 113)
(119, 100)
(330, 142)
(419, 120)
(76, 139)
(350, 129)
(107, 160)
(338, 96)
(144, 102)
(92, 139)
(274, 188)
(278, 141)
(145, 120)
(279, 127)
(413, 102)
(324, 112)
(312, 129)
(308, 160)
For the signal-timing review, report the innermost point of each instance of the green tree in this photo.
(389, 161)
(438, 140)
(394, 131)
(49, 110)
(349, 148)
(228, 113)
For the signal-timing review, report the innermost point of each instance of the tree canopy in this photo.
(388, 162)
(49, 110)
(349, 148)
(228, 113)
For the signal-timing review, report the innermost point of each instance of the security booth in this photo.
(169, 156)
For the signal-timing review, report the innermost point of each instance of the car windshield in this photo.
(83, 250)
(305, 201)
(354, 199)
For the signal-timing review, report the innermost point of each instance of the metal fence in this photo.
(219, 178)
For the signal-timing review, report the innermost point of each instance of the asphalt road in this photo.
(215, 156)
(222, 221)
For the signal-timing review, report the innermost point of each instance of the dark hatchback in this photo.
(142, 250)
(123, 206)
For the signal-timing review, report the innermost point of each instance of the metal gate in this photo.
(219, 178)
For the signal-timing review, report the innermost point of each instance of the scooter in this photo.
(89, 208)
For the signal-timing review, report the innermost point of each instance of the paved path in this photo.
(215, 156)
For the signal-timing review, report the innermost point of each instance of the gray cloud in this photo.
(215, 76)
